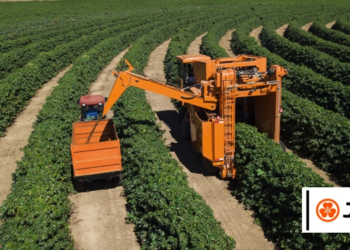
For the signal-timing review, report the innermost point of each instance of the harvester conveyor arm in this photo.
(127, 79)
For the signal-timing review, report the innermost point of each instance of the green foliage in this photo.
(17, 58)
(270, 182)
(186, 221)
(323, 135)
(15, 41)
(210, 42)
(167, 213)
(297, 35)
(148, 42)
(47, 65)
(213, 36)
(301, 80)
(320, 133)
(138, 55)
(181, 40)
(317, 61)
(320, 30)
(342, 26)
(35, 214)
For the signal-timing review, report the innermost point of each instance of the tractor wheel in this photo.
(208, 166)
(185, 129)
(284, 148)
(79, 185)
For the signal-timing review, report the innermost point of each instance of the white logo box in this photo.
(326, 200)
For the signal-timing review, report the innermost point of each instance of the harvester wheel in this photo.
(208, 166)
(223, 173)
(79, 185)
(284, 148)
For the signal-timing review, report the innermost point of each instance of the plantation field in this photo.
(53, 52)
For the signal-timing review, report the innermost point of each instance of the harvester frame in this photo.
(220, 91)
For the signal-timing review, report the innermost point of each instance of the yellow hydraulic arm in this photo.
(127, 79)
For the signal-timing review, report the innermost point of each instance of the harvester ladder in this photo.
(229, 99)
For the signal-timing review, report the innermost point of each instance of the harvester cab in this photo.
(186, 68)
(91, 107)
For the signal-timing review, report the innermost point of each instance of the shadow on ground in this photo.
(183, 148)
(98, 185)
(193, 161)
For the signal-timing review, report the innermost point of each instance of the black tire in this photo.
(284, 148)
(185, 129)
(79, 185)
(208, 166)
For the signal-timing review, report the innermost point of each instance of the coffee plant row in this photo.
(320, 30)
(297, 35)
(342, 26)
(318, 61)
(17, 58)
(300, 80)
(22, 84)
(35, 214)
(166, 212)
(25, 40)
(23, 17)
(270, 180)
(45, 222)
(155, 186)
(305, 121)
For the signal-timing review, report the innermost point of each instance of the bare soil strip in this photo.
(307, 26)
(194, 48)
(327, 178)
(255, 33)
(280, 31)
(236, 221)
(330, 25)
(18, 134)
(225, 43)
(155, 67)
(98, 216)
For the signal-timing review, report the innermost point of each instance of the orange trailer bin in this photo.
(98, 157)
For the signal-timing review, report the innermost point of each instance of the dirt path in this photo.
(225, 43)
(307, 26)
(18, 134)
(330, 25)
(280, 31)
(194, 47)
(155, 67)
(236, 221)
(98, 218)
(327, 178)
(255, 33)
